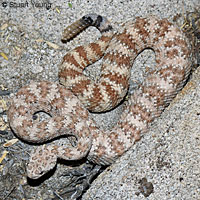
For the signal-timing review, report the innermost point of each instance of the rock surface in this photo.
(164, 164)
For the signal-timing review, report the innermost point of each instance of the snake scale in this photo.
(68, 104)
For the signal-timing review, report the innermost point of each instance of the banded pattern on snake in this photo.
(69, 107)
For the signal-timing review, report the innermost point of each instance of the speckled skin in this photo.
(70, 117)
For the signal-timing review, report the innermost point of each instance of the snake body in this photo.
(68, 105)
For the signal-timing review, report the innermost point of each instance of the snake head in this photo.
(42, 160)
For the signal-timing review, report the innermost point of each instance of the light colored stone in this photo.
(168, 156)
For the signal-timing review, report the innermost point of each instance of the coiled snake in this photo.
(68, 105)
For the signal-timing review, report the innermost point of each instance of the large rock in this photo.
(164, 164)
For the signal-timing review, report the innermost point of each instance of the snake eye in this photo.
(41, 173)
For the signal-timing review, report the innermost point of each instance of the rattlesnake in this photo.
(69, 112)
